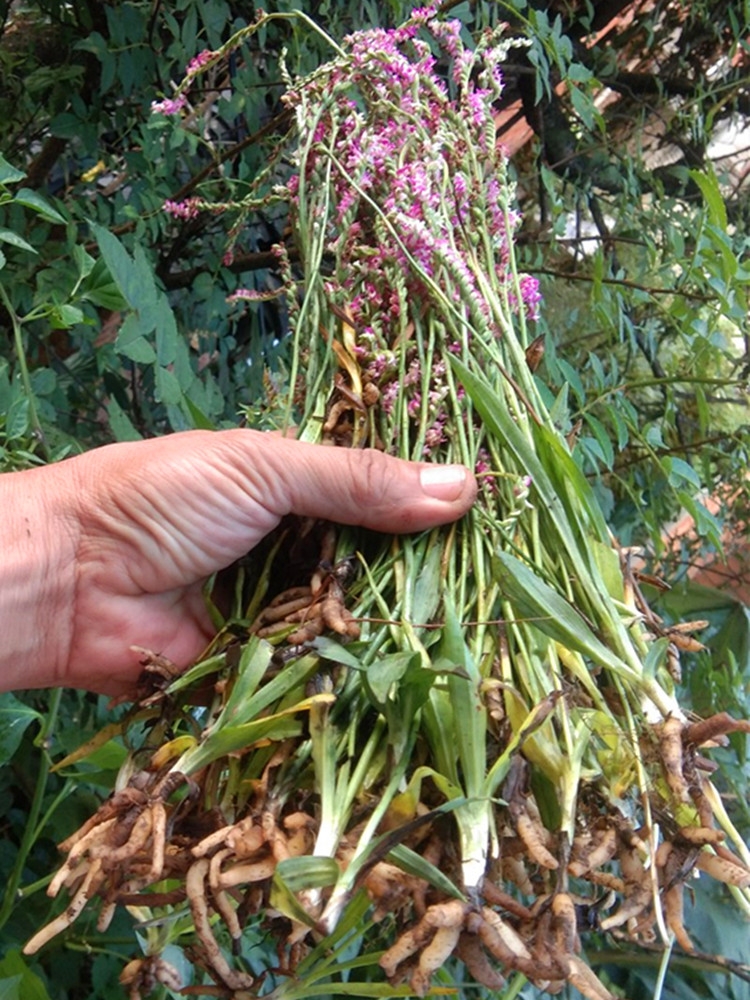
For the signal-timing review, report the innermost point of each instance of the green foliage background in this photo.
(115, 325)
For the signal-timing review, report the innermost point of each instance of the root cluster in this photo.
(540, 898)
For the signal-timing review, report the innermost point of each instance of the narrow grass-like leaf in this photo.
(101, 738)
(254, 661)
(224, 740)
(333, 651)
(414, 864)
(309, 871)
(534, 599)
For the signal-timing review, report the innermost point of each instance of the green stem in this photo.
(663, 966)
(24, 370)
(33, 827)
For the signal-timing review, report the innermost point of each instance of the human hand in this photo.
(112, 548)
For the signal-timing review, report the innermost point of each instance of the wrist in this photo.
(37, 591)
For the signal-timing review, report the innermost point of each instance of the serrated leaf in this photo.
(99, 287)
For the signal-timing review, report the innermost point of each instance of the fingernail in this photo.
(443, 482)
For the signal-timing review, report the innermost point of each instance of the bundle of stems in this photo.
(470, 736)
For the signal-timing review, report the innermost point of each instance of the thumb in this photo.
(352, 486)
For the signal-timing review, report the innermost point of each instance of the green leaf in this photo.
(138, 350)
(15, 718)
(124, 271)
(8, 173)
(388, 670)
(427, 587)
(63, 317)
(657, 654)
(680, 472)
(307, 872)
(546, 609)
(167, 335)
(331, 650)
(198, 418)
(10, 988)
(254, 661)
(469, 710)
(132, 343)
(414, 864)
(120, 423)
(99, 287)
(167, 387)
(84, 261)
(34, 201)
(283, 899)
(602, 437)
(29, 985)
(8, 236)
(708, 182)
(222, 742)
(43, 381)
(17, 419)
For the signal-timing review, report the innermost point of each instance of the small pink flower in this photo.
(435, 435)
(530, 295)
(423, 14)
(199, 61)
(187, 209)
(169, 106)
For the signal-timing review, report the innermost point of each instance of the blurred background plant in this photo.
(625, 124)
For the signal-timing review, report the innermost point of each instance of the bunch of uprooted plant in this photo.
(399, 750)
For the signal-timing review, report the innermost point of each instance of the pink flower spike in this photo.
(199, 61)
(169, 106)
(187, 209)
(423, 14)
